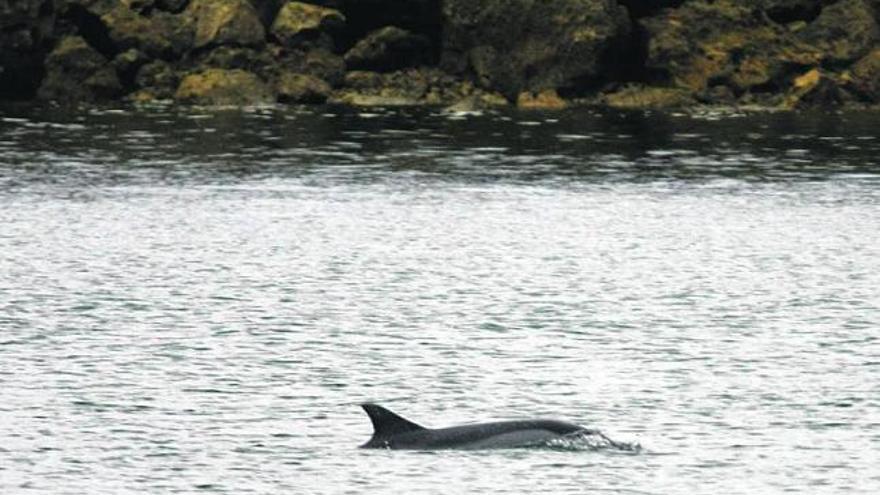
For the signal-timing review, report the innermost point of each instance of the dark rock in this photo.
(388, 49)
(302, 25)
(865, 77)
(527, 45)
(26, 29)
(301, 88)
(320, 63)
(76, 72)
(223, 87)
(174, 6)
(156, 80)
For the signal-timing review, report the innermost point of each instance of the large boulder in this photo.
(223, 87)
(530, 45)
(161, 35)
(300, 25)
(26, 27)
(387, 49)
(76, 72)
(225, 22)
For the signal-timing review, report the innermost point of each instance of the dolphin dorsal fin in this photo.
(386, 423)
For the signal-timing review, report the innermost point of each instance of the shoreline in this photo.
(456, 54)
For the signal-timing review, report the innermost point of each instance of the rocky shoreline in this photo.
(467, 54)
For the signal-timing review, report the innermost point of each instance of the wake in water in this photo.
(591, 440)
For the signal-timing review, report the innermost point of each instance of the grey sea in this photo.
(197, 301)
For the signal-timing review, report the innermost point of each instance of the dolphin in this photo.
(394, 432)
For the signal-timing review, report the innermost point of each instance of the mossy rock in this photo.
(864, 78)
(548, 99)
(225, 22)
(223, 87)
(301, 24)
(301, 88)
(76, 72)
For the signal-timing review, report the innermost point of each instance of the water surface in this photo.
(196, 302)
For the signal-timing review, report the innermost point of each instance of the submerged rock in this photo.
(225, 22)
(423, 86)
(642, 97)
(76, 72)
(388, 49)
(526, 45)
(223, 87)
(304, 25)
(544, 100)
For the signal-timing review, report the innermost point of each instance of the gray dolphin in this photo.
(393, 432)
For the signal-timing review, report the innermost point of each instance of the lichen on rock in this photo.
(223, 87)
(225, 22)
(301, 24)
(301, 88)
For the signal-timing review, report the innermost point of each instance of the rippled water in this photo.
(197, 302)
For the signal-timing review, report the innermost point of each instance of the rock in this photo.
(422, 86)
(253, 60)
(477, 102)
(648, 97)
(526, 45)
(223, 87)
(544, 100)
(864, 78)
(225, 22)
(159, 36)
(301, 88)
(26, 29)
(814, 88)
(722, 42)
(388, 49)
(319, 62)
(844, 31)
(304, 25)
(76, 72)
(157, 80)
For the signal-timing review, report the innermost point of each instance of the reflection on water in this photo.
(197, 301)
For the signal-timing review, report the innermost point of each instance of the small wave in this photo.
(591, 440)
